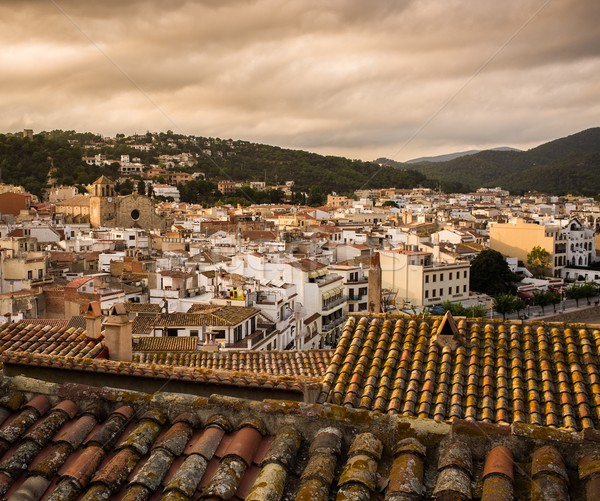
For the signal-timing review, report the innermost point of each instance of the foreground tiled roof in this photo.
(544, 374)
(311, 363)
(48, 338)
(80, 443)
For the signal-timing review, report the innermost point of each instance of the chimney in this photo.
(375, 284)
(117, 334)
(93, 320)
(448, 333)
(436, 248)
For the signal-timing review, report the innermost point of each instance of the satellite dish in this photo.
(109, 199)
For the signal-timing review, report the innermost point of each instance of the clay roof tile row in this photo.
(543, 375)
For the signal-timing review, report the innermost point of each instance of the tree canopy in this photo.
(538, 261)
(490, 274)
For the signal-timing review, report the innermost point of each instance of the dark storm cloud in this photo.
(362, 79)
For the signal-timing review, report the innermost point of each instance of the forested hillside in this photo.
(567, 165)
(57, 155)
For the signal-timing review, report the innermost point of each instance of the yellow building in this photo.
(517, 238)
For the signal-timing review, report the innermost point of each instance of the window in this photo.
(40, 273)
(426, 294)
(465, 274)
(435, 278)
(193, 333)
(131, 237)
(450, 277)
(441, 277)
(449, 290)
(457, 289)
(29, 274)
(464, 288)
(426, 279)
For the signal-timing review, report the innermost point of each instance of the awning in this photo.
(322, 272)
(327, 295)
(312, 274)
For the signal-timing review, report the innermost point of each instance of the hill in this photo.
(566, 165)
(57, 156)
(452, 156)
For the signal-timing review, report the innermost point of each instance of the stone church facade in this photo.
(107, 209)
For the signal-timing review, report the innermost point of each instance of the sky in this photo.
(361, 79)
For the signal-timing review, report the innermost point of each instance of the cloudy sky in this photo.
(362, 79)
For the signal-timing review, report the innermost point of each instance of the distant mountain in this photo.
(452, 156)
(567, 165)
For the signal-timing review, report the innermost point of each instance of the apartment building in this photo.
(420, 280)
(569, 242)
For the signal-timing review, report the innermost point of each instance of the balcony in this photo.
(166, 293)
(360, 280)
(327, 279)
(38, 282)
(330, 305)
(327, 328)
(357, 297)
(262, 334)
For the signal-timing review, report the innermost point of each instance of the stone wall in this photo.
(590, 315)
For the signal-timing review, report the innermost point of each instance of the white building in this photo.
(356, 284)
(166, 190)
(421, 281)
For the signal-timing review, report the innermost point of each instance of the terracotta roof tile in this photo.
(184, 447)
(504, 373)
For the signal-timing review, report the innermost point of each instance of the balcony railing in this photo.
(360, 280)
(357, 297)
(327, 328)
(37, 282)
(330, 305)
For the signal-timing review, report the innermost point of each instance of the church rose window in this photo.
(135, 214)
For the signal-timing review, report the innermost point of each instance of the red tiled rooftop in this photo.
(185, 447)
(541, 374)
(310, 363)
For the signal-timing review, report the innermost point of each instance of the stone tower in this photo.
(103, 203)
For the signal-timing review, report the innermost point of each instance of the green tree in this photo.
(538, 261)
(580, 291)
(589, 290)
(459, 310)
(124, 188)
(520, 305)
(542, 299)
(390, 203)
(490, 274)
(141, 187)
(555, 298)
(505, 304)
